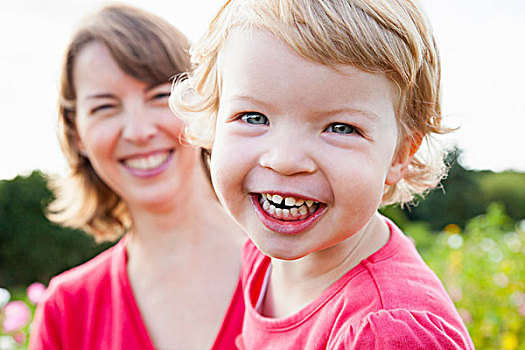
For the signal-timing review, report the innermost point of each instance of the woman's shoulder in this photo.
(88, 275)
(403, 329)
(81, 302)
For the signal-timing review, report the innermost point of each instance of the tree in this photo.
(457, 199)
(506, 188)
(31, 248)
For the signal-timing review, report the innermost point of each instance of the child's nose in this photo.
(139, 127)
(288, 156)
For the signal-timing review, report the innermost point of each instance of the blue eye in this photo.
(340, 128)
(255, 119)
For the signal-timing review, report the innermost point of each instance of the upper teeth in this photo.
(148, 162)
(288, 201)
(276, 199)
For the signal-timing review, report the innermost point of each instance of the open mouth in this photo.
(287, 214)
(287, 208)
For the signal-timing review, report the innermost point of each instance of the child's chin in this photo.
(276, 250)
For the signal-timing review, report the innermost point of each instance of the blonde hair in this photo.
(390, 37)
(145, 47)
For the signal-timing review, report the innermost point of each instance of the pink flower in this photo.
(35, 291)
(456, 293)
(16, 316)
(20, 337)
(465, 315)
(521, 309)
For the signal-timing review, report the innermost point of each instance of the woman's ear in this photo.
(80, 147)
(402, 159)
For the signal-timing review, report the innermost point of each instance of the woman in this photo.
(172, 280)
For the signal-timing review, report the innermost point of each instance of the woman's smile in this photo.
(148, 165)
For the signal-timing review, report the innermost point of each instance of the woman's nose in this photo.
(139, 127)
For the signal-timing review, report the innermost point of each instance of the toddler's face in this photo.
(302, 151)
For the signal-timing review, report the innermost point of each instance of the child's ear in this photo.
(401, 161)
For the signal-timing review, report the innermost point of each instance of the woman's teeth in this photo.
(147, 163)
(288, 208)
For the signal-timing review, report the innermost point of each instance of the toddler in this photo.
(314, 112)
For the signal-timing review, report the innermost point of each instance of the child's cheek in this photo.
(226, 169)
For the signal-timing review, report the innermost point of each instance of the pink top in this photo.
(92, 307)
(391, 300)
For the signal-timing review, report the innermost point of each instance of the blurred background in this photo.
(471, 230)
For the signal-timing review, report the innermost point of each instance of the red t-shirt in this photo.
(391, 300)
(92, 307)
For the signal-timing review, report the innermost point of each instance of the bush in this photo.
(31, 248)
(458, 198)
(507, 188)
(482, 269)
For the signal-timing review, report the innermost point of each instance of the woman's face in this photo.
(128, 132)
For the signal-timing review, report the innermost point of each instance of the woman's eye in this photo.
(254, 118)
(341, 128)
(160, 99)
(101, 108)
(161, 96)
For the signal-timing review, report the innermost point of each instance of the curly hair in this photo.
(389, 37)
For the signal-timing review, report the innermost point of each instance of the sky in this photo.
(482, 45)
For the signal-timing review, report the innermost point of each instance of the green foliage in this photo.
(457, 199)
(507, 188)
(396, 214)
(32, 248)
(482, 269)
(464, 194)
